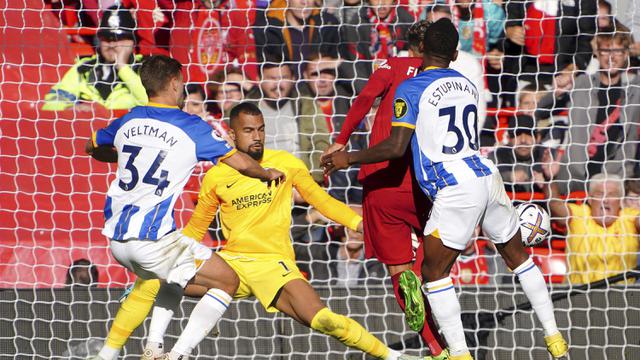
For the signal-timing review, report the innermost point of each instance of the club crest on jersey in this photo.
(400, 108)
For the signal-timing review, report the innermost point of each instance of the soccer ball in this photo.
(535, 224)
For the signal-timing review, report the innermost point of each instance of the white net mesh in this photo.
(556, 77)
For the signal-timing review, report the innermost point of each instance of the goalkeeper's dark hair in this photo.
(157, 71)
(243, 108)
(415, 34)
(441, 40)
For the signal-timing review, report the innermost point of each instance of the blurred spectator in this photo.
(110, 77)
(604, 109)
(345, 185)
(628, 13)
(194, 100)
(602, 236)
(417, 8)
(290, 30)
(528, 99)
(376, 33)
(223, 35)
(226, 89)
(291, 122)
(480, 25)
(82, 273)
(605, 19)
(632, 194)
(516, 160)
(350, 266)
(550, 36)
(195, 104)
(320, 84)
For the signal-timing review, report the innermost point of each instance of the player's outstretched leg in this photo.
(441, 294)
(222, 283)
(298, 300)
(131, 314)
(535, 289)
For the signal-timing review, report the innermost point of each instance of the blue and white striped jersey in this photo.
(158, 148)
(441, 105)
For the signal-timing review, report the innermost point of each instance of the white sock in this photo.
(203, 318)
(167, 301)
(393, 355)
(160, 319)
(109, 353)
(446, 310)
(157, 349)
(535, 288)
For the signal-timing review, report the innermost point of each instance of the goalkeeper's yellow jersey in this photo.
(255, 218)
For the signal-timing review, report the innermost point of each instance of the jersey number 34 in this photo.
(148, 178)
(471, 137)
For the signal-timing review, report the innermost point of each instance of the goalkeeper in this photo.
(256, 222)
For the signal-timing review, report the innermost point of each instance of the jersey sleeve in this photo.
(209, 145)
(375, 87)
(107, 135)
(205, 210)
(404, 110)
(313, 194)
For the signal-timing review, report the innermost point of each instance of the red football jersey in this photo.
(382, 83)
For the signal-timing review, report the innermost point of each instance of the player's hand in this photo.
(331, 149)
(360, 227)
(274, 177)
(336, 161)
(515, 34)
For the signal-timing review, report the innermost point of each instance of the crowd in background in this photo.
(559, 100)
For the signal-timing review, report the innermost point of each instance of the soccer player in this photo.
(256, 223)
(156, 148)
(437, 112)
(393, 206)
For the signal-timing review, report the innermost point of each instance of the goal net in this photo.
(557, 80)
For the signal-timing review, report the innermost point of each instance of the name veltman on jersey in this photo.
(441, 105)
(158, 148)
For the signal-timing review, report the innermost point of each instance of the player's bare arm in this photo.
(249, 167)
(391, 148)
(101, 153)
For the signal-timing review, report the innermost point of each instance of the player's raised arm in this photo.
(375, 87)
(249, 167)
(206, 209)
(393, 147)
(317, 197)
(100, 146)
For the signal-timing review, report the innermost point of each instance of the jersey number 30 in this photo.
(148, 178)
(450, 112)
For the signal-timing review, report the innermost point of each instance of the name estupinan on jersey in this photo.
(451, 85)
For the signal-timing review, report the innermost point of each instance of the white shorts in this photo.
(458, 209)
(171, 258)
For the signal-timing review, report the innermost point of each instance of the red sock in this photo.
(429, 333)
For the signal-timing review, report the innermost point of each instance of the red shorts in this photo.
(390, 216)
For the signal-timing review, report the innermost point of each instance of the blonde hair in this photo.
(603, 178)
